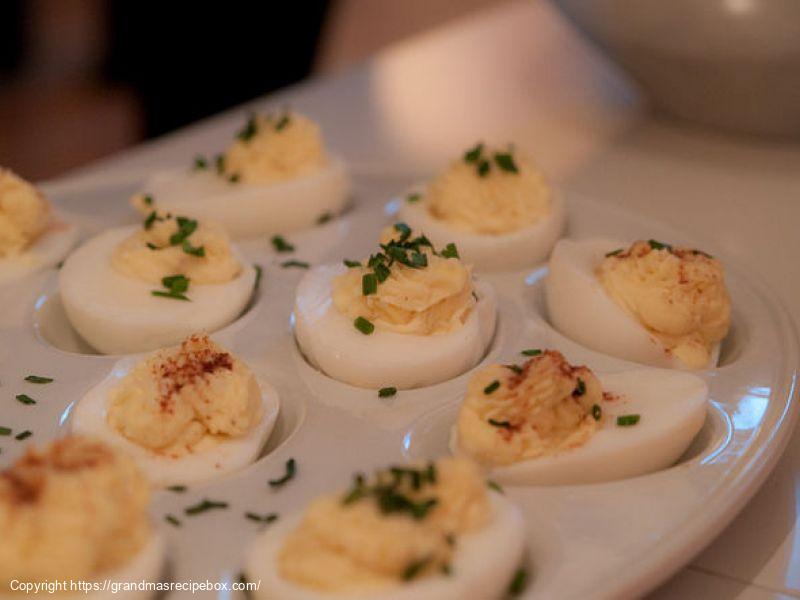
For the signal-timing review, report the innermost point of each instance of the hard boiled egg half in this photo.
(408, 316)
(422, 532)
(547, 422)
(494, 204)
(76, 510)
(275, 177)
(184, 414)
(649, 302)
(133, 289)
(32, 236)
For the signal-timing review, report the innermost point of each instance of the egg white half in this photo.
(47, 251)
(483, 564)
(89, 417)
(503, 252)
(117, 314)
(580, 308)
(672, 406)
(331, 343)
(251, 209)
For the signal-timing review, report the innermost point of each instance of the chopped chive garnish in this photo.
(483, 168)
(23, 435)
(151, 218)
(404, 230)
(597, 412)
(491, 387)
(203, 506)
(147, 199)
(506, 162)
(627, 420)
(5, 431)
(176, 286)
(259, 518)
(580, 389)
(415, 197)
(234, 178)
(614, 252)
(219, 163)
(178, 489)
(282, 122)
(450, 251)
(501, 424)
(200, 162)
(38, 379)
(25, 399)
(387, 391)
(363, 325)
(186, 227)
(151, 245)
(199, 251)
(656, 245)
(281, 245)
(172, 520)
(324, 218)
(291, 470)
(473, 154)
(249, 130)
(414, 569)
(517, 585)
(515, 368)
(701, 253)
(491, 484)
(351, 263)
(299, 264)
(369, 284)
(531, 352)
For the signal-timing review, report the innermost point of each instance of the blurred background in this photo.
(81, 79)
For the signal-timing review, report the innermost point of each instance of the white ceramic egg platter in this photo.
(613, 539)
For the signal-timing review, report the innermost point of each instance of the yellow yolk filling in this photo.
(678, 295)
(72, 510)
(542, 408)
(347, 544)
(498, 202)
(149, 255)
(23, 214)
(181, 397)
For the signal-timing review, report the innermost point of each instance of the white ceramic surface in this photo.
(603, 540)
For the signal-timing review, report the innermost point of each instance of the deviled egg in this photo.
(548, 422)
(408, 316)
(32, 236)
(425, 532)
(76, 511)
(185, 414)
(275, 177)
(138, 288)
(494, 204)
(650, 303)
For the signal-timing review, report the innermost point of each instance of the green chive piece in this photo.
(351, 263)
(517, 585)
(483, 168)
(38, 379)
(299, 264)
(219, 163)
(291, 471)
(597, 412)
(151, 218)
(387, 391)
(491, 387)
(656, 245)
(627, 420)
(493, 485)
(259, 518)
(199, 251)
(282, 122)
(450, 251)
(234, 178)
(506, 162)
(414, 569)
(363, 325)
(501, 424)
(147, 199)
(473, 154)
(25, 399)
(531, 352)
(200, 163)
(415, 197)
(172, 520)
(324, 218)
(259, 274)
(178, 489)
(151, 245)
(404, 230)
(186, 227)
(580, 389)
(5, 431)
(701, 253)
(249, 130)
(281, 245)
(369, 284)
(204, 506)
(614, 252)
(175, 286)
(23, 435)
(516, 368)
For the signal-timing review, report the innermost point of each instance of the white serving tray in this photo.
(614, 539)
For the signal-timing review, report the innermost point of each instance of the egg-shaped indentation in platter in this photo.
(210, 458)
(676, 425)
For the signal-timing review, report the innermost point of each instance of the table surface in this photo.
(519, 72)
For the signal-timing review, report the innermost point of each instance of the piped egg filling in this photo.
(75, 509)
(408, 287)
(166, 246)
(402, 524)
(186, 399)
(24, 214)
(677, 294)
(489, 191)
(513, 413)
